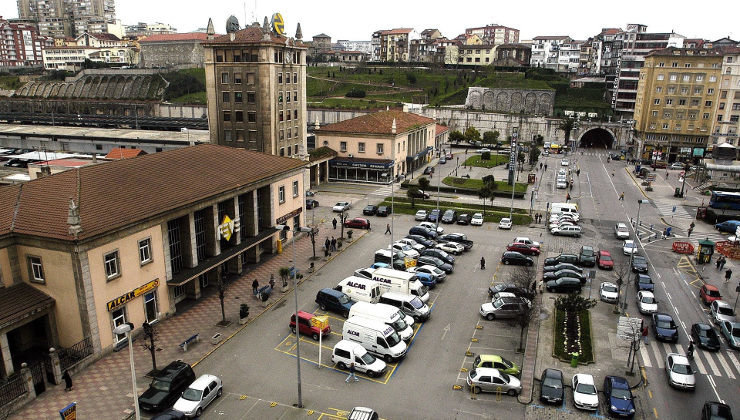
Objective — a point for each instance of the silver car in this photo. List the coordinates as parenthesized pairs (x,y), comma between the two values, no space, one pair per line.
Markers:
(198,395)
(505,307)
(679,371)
(722,311)
(492,380)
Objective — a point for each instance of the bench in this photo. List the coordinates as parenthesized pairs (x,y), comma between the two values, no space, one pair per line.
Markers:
(194,338)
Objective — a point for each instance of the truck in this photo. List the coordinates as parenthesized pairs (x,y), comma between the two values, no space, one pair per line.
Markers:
(396,281)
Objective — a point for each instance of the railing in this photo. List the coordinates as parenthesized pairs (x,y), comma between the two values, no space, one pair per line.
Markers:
(11,390)
(69,357)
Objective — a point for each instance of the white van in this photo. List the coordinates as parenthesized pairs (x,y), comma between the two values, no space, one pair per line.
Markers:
(345,352)
(396,281)
(375,337)
(387,314)
(359,289)
(565,208)
(408,304)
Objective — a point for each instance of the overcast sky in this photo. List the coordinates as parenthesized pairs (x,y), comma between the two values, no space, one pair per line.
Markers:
(356,20)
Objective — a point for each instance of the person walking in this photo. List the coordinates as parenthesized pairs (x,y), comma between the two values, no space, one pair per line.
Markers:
(351,373)
(67,381)
(482,263)
(728,274)
(387,229)
(545,166)
(719,263)
(578,172)
(333,243)
(272,281)
(255,286)
(334,223)
(327,244)
(567,197)
(690,352)
(722,264)
(689,232)
(621,196)
(645,334)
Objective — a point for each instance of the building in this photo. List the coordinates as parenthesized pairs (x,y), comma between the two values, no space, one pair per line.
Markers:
(513,55)
(369,147)
(441,136)
(677,102)
(726,126)
(352,57)
(173,50)
(569,56)
(81,262)
(495,34)
(146,29)
(59,18)
(395,44)
(476,55)
(425,49)
(256,85)
(545,50)
(21,45)
(71,58)
(361,46)
(375,41)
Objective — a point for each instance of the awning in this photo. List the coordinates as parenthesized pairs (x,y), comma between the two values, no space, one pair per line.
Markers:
(21,301)
(360,163)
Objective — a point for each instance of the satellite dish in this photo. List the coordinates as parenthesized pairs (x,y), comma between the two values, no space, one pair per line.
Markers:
(232,24)
(278,25)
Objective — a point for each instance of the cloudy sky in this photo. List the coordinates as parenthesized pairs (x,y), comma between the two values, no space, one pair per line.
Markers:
(356,20)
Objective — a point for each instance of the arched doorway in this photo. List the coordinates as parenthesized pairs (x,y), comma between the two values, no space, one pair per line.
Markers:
(597,138)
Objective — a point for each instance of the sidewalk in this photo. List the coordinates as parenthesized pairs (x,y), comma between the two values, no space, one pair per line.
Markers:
(103,390)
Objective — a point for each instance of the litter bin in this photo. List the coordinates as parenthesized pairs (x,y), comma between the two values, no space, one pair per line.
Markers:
(574,360)
(677,193)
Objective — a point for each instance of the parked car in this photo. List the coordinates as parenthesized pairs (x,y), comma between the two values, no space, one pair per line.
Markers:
(408,250)
(659,165)
(438,253)
(731,331)
(523,248)
(436,262)
(504,223)
(311,203)
(305,327)
(451,248)
(412,243)
(477,219)
(554,275)
(166,387)
(677,165)
(679,371)
(341,206)
(422,231)
(567,231)
(563,266)
(504,308)
(629,247)
(170,414)
(708,294)
(346,352)
(714,410)
(433,226)
(564,162)
(509,288)
(585,395)
(722,311)
(644,282)
(526,240)
(726,226)
(433,271)
(587,256)
(442,160)
(449,216)
(516,258)
(421,194)
(664,327)
(562,258)
(608,292)
(619,396)
(421,240)
(551,386)
(639,264)
(333,300)
(564,284)
(705,337)
(357,223)
(604,260)
(459,238)
(496,362)
(646,302)
(434,215)
(420,215)
(199,395)
(491,380)
(370,210)
(383,211)
(621,231)
(429,170)
(463,219)
(310,193)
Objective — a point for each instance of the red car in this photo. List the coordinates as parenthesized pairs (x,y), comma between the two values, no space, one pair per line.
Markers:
(523,248)
(604,260)
(305,326)
(357,223)
(709,294)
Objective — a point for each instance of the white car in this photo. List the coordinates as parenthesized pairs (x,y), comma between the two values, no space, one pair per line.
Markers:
(564,162)
(505,223)
(341,206)
(585,395)
(477,219)
(679,371)
(525,240)
(563,172)
(608,292)
(198,395)
(622,231)
(412,243)
(407,250)
(433,271)
(561,183)
(421,215)
(451,247)
(432,226)
(483,150)
(629,247)
(646,302)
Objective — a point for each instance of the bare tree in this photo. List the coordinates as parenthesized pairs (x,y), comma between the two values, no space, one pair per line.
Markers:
(524,277)
(152,335)
(621,272)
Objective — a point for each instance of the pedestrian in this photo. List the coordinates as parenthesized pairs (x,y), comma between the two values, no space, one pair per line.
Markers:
(540,165)
(67,381)
(368,225)
(387,229)
(578,172)
(334,223)
(545,166)
(645,334)
(351,373)
(255,286)
(567,197)
(621,196)
(690,352)
(719,263)
(722,264)
(272,281)
(728,274)
(689,231)
(333,243)
(482,263)
(327,244)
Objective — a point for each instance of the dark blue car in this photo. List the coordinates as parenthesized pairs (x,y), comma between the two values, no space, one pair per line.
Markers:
(644,282)
(664,327)
(335,301)
(426,279)
(619,396)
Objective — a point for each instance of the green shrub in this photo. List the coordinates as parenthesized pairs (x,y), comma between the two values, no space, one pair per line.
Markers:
(355,93)
(485,156)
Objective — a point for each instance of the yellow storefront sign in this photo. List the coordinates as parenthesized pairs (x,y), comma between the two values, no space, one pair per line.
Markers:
(121,300)
(226,228)
(320,322)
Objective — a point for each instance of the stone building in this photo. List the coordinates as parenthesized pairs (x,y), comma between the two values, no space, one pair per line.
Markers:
(513,55)
(531,101)
(173,50)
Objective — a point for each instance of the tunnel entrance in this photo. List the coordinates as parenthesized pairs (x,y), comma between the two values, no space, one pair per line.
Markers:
(597,138)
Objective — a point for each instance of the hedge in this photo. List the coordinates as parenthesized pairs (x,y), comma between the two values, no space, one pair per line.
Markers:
(457,204)
(495,160)
(467,191)
(491,216)
(476,184)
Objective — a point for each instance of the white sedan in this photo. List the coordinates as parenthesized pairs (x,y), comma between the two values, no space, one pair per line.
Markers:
(341,206)
(407,250)
(564,162)
(432,226)
(483,150)
(646,302)
(451,247)
(421,215)
(608,292)
(679,371)
(477,219)
(629,247)
(505,223)
(585,395)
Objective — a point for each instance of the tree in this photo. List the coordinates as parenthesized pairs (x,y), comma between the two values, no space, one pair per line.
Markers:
(567,124)
(411,77)
(487,190)
(485,155)
(152,335)
(412,193)
(471,134)
(490,137)
(456,136)
(574,303)
(424,184)
(534,154)
(525,277)
(539,140)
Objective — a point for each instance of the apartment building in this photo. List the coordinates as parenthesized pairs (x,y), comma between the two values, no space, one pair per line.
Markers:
(59,18)
(395,44)
(476,55)
(546,50)
(495,34)
(21,45)
(726,127)
(676,103)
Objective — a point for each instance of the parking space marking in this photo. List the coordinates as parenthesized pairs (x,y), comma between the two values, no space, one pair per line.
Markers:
(645,357)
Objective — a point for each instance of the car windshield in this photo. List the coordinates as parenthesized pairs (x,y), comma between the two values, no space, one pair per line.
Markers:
(629,245)
(725,310)
(367,359)
(622,394)
(552,383)
(399,325)
(161,385)
(344,299)
(609,288)
(498,303)
(683,369)
(587,252)
(417,303)
(436,271)
(645,279)
(666,324)
(191,394)
(647,299)
(638,261)
(393,339)
(605,258)
(586,389)
(713,293)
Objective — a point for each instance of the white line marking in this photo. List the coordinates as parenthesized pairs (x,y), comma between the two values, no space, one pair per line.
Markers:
(658,355)
(711,363)
(725,365)
(734,361)
(645,357)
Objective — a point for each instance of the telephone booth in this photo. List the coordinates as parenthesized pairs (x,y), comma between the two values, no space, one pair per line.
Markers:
(705,252)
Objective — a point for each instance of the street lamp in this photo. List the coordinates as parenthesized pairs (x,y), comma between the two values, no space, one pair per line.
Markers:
(125,329)
(286,228)
(458,165)
(637,233)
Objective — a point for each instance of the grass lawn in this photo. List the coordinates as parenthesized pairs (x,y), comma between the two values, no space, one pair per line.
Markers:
(468,206)
(476,184)
(494,161)
(519,217)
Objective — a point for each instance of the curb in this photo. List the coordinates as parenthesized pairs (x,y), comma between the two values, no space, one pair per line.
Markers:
(627,169)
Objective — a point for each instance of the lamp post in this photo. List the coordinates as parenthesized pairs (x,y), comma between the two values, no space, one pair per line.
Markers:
(457,166)
(637,234)
(126,329)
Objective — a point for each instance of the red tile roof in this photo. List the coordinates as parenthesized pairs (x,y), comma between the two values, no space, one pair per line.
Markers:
(546,37)
(441,129)
(378,123)
(122,193)
(398,31)
(20,301)
(191,36)
(70,163)
(119,153)
(249,35)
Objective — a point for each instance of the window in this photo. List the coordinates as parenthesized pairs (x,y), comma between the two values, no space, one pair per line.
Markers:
(674,64)
(712,78)
(661,64)
(288,115)
(295,114)
(699,77)
(227,135)
(150,307)
(723,94)
(736,106)
(287,96)
(252,117)
(673,77)
(295,77)
(282,151)
(687,65)
(659,89)
(280,78)
(361,147)
(710,91)
(734,118)
(112,267)
(655,113)
(665,126)
(697,91)
(669,101)
(238,97)
(708,103)
(687,78)
(250,78)
(295,149)
(694,102)
(224,78)
(342,146)
(295,188)
(281,116)
(145,251)
(684,90)
(281,194)
(250,97)
(280,97)
(721,105)
(671,89)
(667,115)
(705,116)
(379,148)
(729,59)
(238,78)
(36,270)
(682,102)
(227,115)
(180,290)
(226,97)
(661,77)
(282,135)
(295,96)
(656,101)
(290,132)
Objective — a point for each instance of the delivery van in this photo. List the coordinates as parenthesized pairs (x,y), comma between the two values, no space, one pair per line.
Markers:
(359,289)
(408,304)
(387,314)
(347,352)
(396,281)
(565,208)
(376,337)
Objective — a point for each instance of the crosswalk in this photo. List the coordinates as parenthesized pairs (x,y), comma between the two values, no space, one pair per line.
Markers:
(384,191)
(723,363)
(669,209)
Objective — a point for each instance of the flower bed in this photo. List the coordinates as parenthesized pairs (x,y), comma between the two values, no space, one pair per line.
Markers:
(572,334)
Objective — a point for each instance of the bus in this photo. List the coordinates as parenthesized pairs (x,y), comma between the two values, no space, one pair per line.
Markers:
(725,200)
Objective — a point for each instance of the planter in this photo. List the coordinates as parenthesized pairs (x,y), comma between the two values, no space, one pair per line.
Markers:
(217,338)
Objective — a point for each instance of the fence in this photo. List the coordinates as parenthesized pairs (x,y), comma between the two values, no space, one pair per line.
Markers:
(11,390)
(70,356)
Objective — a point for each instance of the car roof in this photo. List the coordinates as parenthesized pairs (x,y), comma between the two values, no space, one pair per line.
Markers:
(608,283)
(490,357)
(678,358)
(710,287)
(702,326)
(330,291)
(553,373)
(202,382)
(618,382)
(169,372)
(584,378)
(304,314)
(646,293)
(621,225)
(604,252)
(721,303)
(488,371)
(662,316)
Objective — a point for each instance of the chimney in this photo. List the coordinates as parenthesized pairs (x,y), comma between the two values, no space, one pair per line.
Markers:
(231,36)
(393,127)
(73,219)
(316,125)
(405,108)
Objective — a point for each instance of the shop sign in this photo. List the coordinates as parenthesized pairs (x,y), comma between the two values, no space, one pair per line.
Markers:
(360,165)
(685,150)
(69,412)
(698,151)
(282,219)
(121,300)
(226,228)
